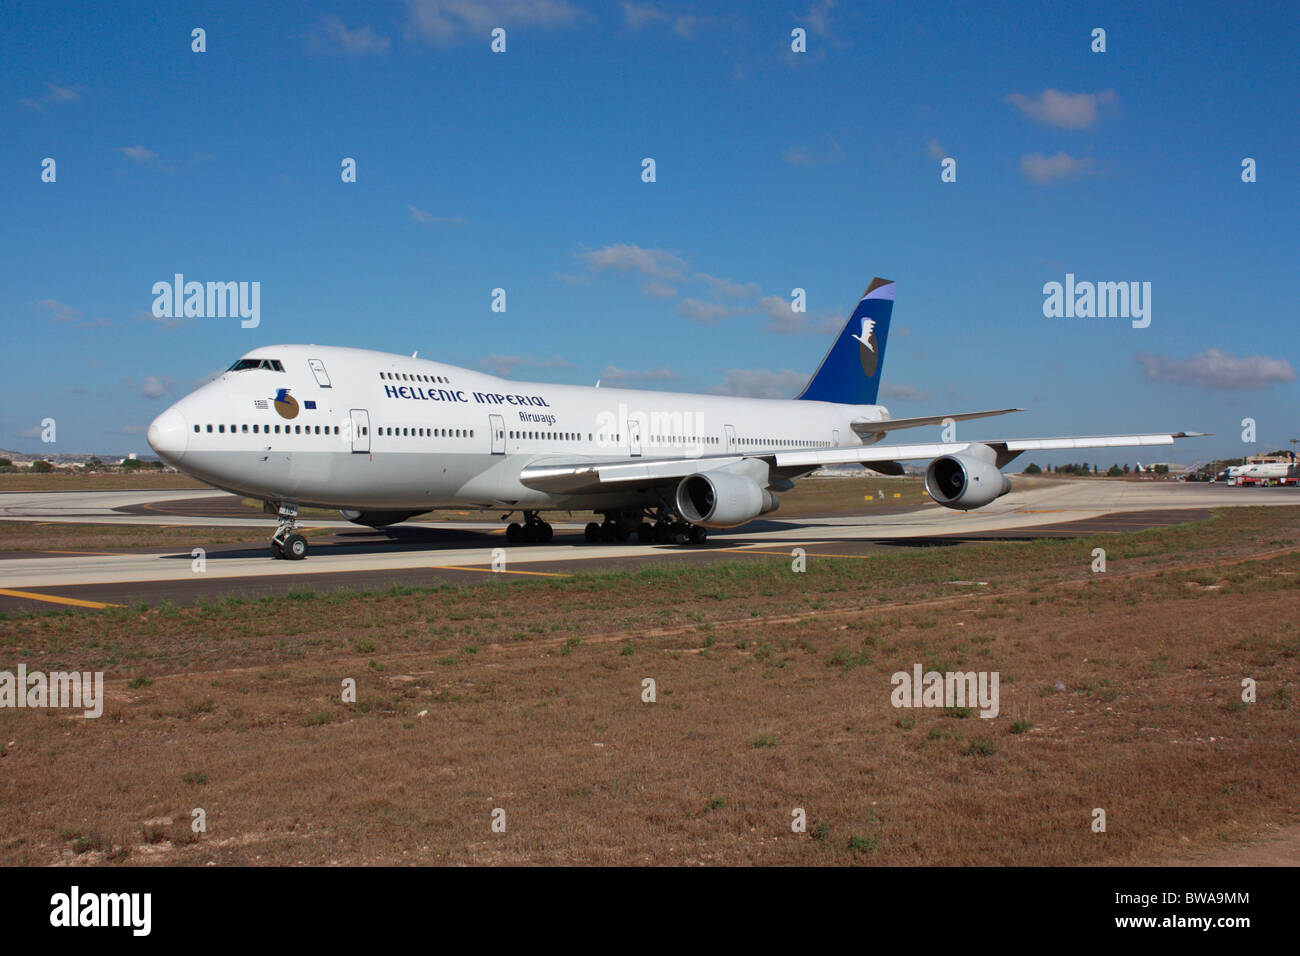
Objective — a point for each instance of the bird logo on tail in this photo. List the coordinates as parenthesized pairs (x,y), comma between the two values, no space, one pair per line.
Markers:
(867,347)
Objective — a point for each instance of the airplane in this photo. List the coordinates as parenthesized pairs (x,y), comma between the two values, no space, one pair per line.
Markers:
(384,438)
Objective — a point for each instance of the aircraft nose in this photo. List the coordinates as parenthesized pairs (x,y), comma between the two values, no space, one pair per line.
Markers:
(169,435)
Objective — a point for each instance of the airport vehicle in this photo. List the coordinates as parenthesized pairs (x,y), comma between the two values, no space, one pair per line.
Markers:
(384,438)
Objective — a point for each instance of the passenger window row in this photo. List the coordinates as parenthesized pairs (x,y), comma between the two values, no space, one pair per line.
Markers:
(393,431)
(782,443)
(550,436)
(271,429)
(415,377)
(684,439)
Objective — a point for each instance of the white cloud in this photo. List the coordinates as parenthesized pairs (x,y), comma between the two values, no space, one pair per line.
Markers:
(139,153)
(760,383)
(613,373)
(1067,110)
(903,393)
(1046,169)
(818,18)
(736,290)
(935,150)
(420,215)
(61,311)
(623,257)
(638,15)
(804,156)
(786,321)
(1215,368)
(685,25)
(706,312)
(658,290)
(445,21)
(53,94)
(167,321)
(151,386)
(332,37)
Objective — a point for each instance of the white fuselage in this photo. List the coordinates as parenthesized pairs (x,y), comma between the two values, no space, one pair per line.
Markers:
(372,430)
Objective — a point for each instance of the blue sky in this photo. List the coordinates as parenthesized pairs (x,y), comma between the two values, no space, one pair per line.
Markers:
(774,170)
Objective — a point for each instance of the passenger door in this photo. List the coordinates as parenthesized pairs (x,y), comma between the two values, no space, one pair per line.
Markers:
(498,428)
(731,437)
(360,430)
(634,438)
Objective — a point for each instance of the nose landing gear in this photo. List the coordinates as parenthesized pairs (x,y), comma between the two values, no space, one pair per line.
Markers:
(286,542)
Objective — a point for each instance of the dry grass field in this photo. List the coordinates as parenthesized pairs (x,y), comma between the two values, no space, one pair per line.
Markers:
(773,692)
(100,481)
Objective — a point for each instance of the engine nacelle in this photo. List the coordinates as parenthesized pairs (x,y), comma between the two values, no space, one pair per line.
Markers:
(964,482)
(719,499)
(377,519)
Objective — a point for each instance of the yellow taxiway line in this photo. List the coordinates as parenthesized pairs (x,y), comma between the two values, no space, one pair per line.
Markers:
(55,599)
(466,567)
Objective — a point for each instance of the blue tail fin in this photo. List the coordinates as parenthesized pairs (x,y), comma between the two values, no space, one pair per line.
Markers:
(850,372)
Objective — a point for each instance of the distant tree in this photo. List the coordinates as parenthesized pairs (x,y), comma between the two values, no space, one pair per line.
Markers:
(1126,468)
(155,465)
(131,464)
(41,466)
(93,465)
(1162,469)
(1115,471)
(6,463)
(1032,469)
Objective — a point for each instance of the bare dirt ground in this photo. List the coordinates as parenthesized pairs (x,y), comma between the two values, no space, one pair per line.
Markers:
(1119,691)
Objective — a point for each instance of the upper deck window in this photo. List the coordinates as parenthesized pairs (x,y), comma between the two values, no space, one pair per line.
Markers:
(267,365)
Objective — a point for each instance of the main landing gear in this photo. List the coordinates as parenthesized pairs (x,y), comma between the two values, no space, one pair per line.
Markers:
(286,542)
(534,529)
(668,529)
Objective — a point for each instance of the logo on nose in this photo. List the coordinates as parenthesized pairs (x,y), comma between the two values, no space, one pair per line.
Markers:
(286,404)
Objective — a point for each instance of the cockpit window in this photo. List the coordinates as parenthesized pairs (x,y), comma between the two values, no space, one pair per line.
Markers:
(268,365)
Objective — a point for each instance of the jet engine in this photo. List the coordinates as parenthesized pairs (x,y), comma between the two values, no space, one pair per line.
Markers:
(964,482)
(377,519)
(718,499)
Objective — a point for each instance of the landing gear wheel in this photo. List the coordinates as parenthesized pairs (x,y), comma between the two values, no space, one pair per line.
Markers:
(679,535)
(295,547)
(621,533)
(661,532)
(592,532)
(607,531)
(514,532)
(544,532)
(285,543)
(645,533)
(699,535)
(529,533)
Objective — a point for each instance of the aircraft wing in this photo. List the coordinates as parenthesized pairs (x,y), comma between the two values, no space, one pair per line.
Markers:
(1006,450)
(562,476)
(867,429)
